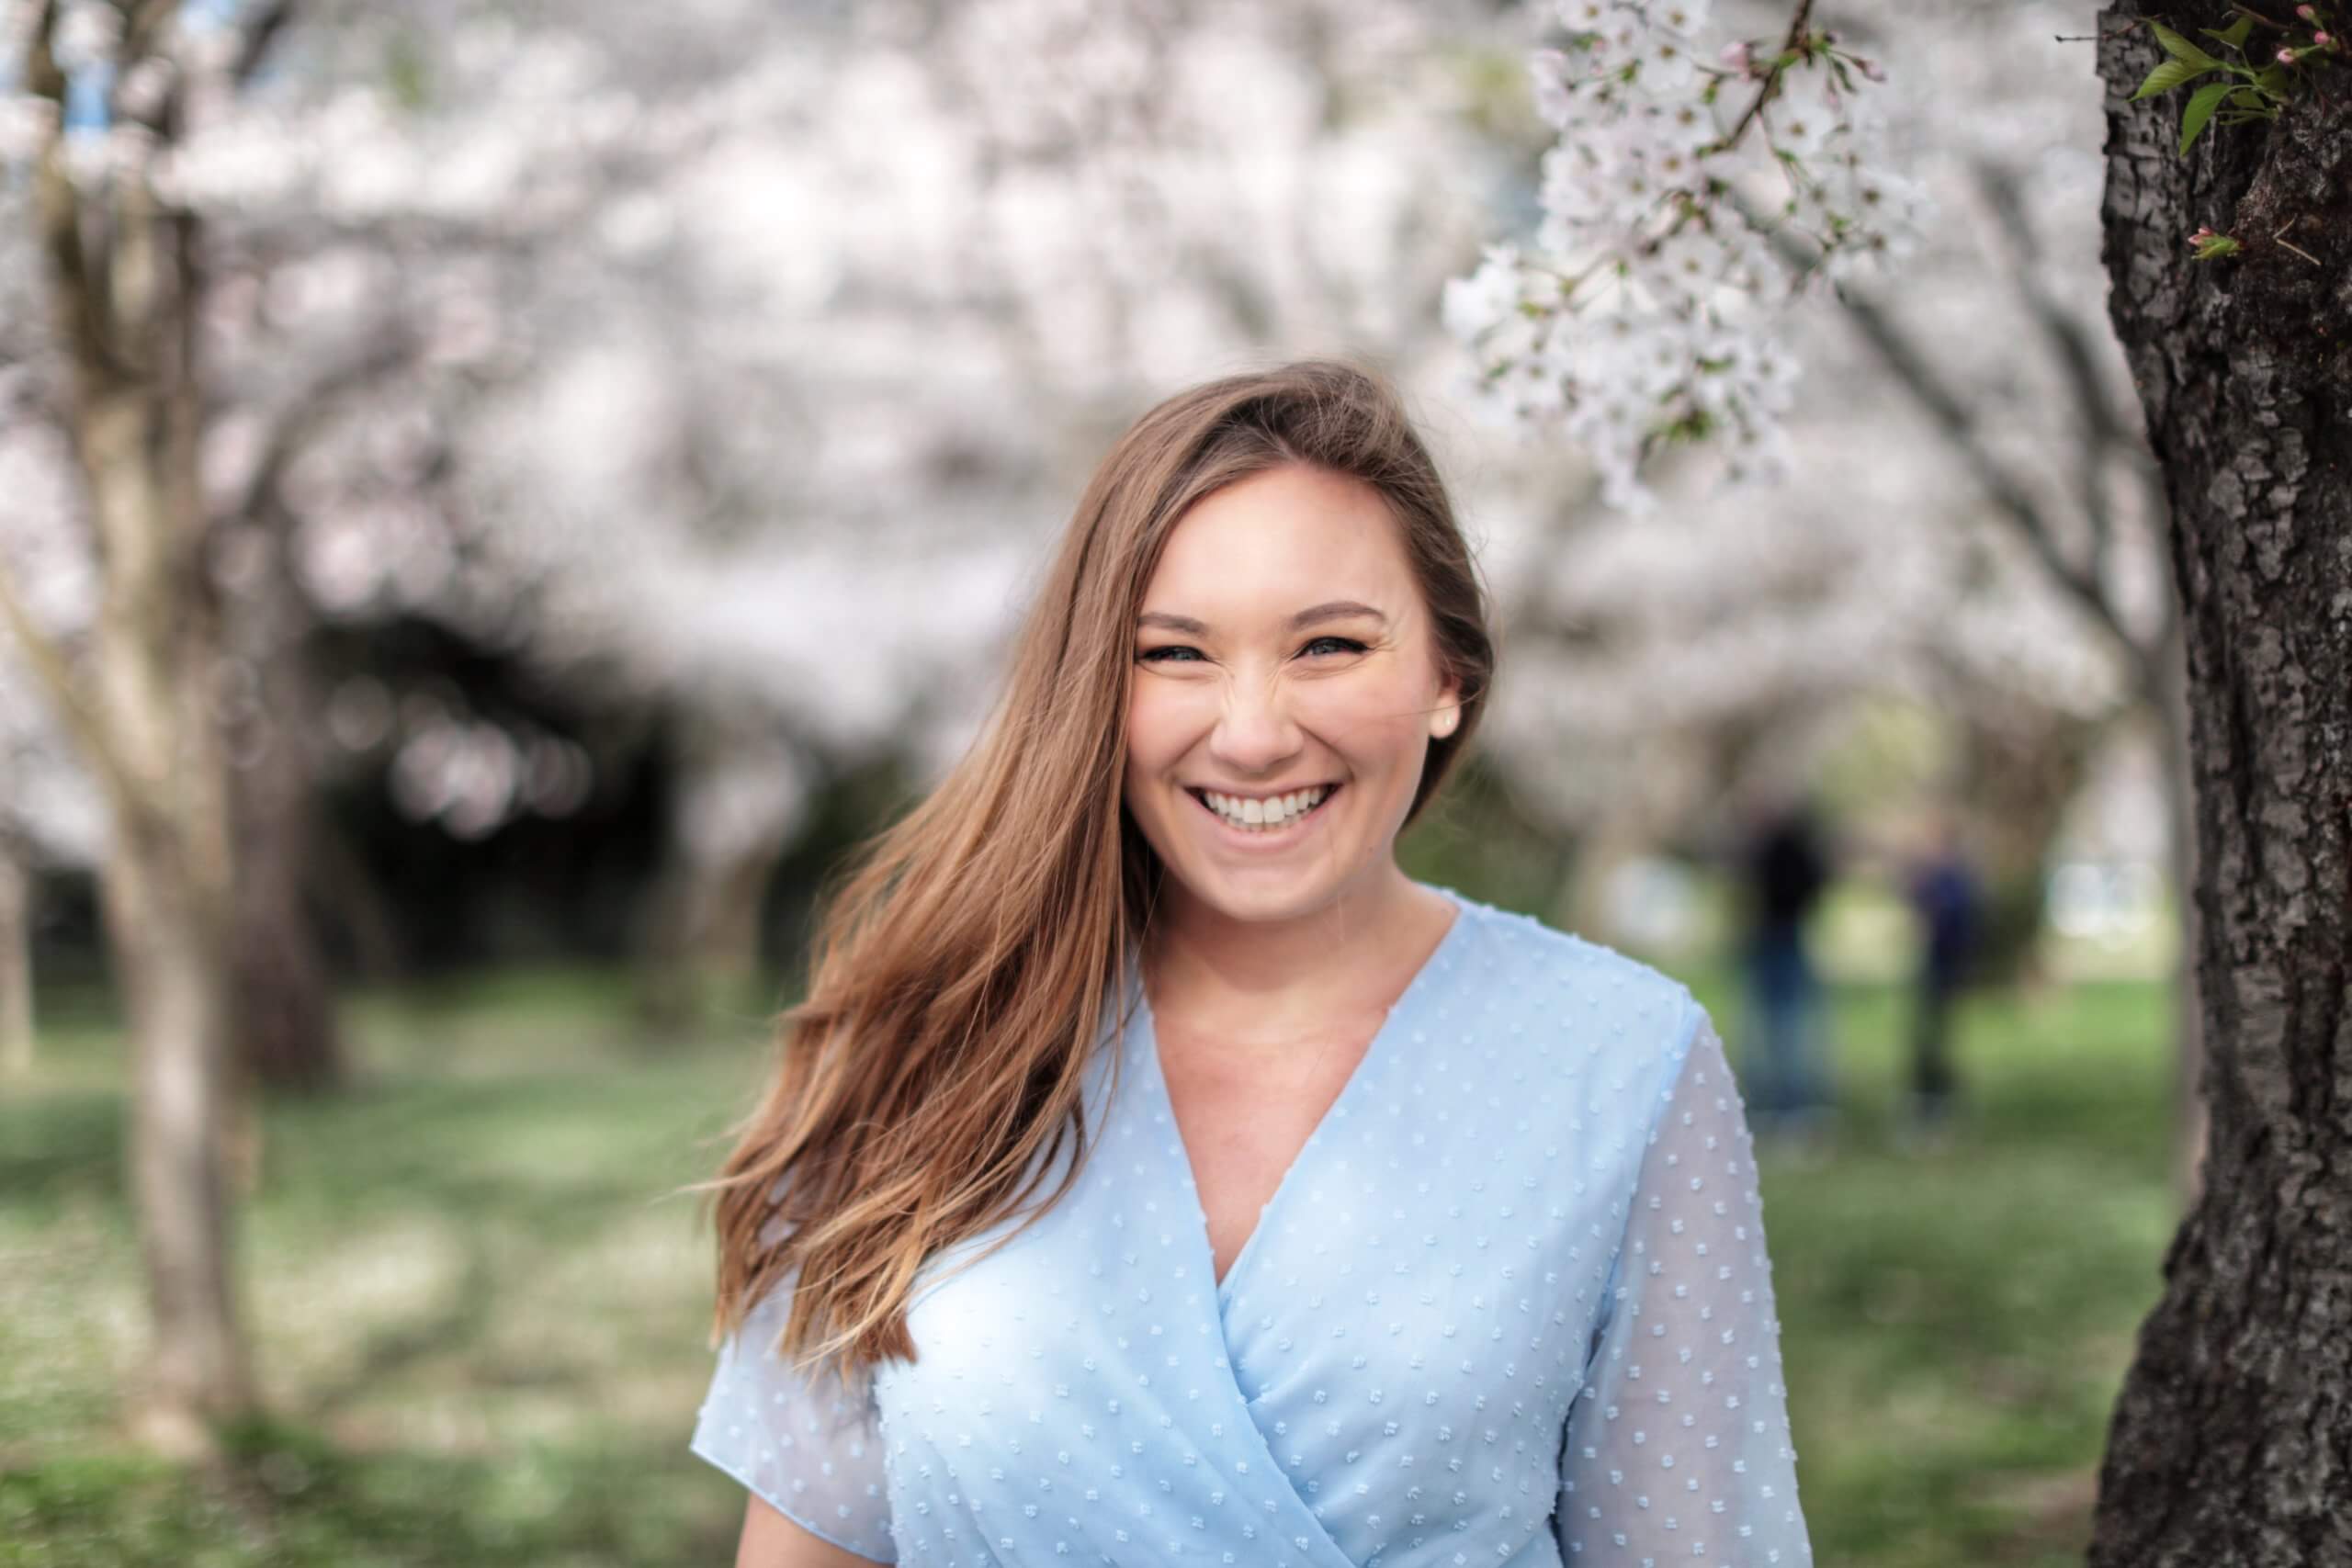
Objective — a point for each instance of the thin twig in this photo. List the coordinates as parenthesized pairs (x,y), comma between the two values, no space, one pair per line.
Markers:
(2287,228)
(2105,426)
(1771,78)
(1918,374)
(71,701)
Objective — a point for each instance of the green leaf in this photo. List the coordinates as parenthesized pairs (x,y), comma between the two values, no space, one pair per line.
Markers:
(2168,76)
(2200,108)
(2180,49)
(2234,34)
(2273,82)
(2247,98)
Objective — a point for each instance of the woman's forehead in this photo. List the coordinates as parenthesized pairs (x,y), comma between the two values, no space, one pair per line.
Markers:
(1278,543)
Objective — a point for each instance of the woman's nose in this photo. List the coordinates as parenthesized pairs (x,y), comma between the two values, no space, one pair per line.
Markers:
(1256,730)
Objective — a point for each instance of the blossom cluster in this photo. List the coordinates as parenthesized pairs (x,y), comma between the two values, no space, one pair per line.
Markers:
(2321,38)
(1649,306)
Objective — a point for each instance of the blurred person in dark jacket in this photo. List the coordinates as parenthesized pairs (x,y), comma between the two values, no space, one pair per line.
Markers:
(1786,868)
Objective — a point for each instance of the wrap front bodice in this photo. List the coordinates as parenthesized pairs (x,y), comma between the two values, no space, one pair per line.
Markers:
(1511,1301)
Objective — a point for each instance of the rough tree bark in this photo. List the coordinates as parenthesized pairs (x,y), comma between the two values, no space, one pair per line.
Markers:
(2232,1442)
(2168,701)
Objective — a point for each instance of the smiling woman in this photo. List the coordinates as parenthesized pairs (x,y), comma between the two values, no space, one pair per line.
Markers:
(1156,1173)
(1264,702)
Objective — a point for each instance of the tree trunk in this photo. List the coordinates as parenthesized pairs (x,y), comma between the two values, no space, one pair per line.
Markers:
(2191,1124)
(170,940)
(738,793)
(15,965)
(286,1030)
(2017,775)
(123,277)
(2232,1441)
(700,952)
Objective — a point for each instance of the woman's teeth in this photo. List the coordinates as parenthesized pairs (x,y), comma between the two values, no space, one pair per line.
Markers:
(1278,812)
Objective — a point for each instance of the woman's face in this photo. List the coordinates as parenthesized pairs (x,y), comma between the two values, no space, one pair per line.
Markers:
(1282,647)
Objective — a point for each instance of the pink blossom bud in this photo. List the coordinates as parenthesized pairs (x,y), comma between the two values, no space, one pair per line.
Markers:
(2321,41)
(1871,70)
(1736,56)
(2286,57)
(2307,14)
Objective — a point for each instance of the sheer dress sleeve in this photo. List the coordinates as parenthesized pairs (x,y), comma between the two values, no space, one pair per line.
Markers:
(1678,1449)
(810,1453)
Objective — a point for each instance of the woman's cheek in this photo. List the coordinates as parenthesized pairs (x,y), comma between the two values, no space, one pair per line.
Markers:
(1147,724)
(1357,714)
(1161,728)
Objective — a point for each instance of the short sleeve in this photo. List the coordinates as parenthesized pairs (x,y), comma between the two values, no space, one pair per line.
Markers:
(812,1454)
(1678,1448)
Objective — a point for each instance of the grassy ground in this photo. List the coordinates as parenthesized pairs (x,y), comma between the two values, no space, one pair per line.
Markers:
(479,1312)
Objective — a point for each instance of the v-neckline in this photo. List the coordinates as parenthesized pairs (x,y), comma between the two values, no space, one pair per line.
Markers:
(1148,1031)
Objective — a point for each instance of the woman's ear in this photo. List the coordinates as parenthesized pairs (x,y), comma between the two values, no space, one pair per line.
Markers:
(1446,716)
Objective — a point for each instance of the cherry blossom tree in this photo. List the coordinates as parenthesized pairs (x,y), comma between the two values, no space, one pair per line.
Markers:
(122,282)
(881,362)
(2216,1453)
(144,133)
(1984,198)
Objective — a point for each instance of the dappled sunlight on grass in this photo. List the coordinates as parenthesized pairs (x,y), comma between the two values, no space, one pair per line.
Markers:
(482,1303)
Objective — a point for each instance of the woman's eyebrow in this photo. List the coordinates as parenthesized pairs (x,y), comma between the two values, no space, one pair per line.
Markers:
(1335,610)
(1338,609)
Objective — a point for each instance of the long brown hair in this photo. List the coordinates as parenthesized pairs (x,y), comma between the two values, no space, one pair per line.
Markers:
(927,1081)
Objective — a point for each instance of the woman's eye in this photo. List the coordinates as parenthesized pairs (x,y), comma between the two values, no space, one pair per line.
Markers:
(1181,653)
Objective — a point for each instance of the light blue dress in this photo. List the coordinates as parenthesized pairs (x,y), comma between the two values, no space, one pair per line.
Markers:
(1510,1303)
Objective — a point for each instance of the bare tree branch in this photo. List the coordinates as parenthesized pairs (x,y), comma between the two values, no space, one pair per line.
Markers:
(260,32)
(386,353)
(82,717)
(2104,428)
(1919,376)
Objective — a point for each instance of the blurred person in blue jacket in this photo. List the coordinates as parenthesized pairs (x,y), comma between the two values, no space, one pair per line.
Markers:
(1948,902)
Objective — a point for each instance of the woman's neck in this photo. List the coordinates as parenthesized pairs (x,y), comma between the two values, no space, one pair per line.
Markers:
(1273,980)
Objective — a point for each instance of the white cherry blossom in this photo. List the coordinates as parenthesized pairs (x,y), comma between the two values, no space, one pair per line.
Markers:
(1650,202)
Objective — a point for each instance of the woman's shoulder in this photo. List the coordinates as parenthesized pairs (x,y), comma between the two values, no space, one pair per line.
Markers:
(1547,979)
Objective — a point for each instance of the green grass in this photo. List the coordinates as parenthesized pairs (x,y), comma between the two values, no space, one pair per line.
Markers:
(1955,1324)
(480,1313)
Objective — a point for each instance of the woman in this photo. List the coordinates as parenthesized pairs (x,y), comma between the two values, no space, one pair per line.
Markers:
(1156,1173)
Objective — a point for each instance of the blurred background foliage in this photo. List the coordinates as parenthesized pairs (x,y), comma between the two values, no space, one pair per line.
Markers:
(628,437)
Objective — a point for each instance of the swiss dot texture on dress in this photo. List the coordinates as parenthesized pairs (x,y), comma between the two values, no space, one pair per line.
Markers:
(1511,1302)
